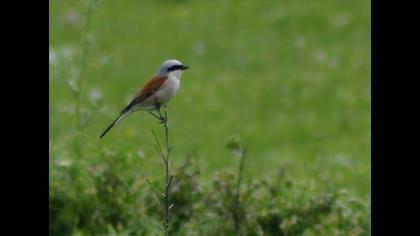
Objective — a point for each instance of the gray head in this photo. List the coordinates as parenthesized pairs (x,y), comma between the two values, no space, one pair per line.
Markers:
(170,66)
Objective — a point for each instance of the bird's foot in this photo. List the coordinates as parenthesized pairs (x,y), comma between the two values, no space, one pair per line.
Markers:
(163,120)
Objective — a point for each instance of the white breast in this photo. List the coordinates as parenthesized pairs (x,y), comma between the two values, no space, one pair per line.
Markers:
(169,88)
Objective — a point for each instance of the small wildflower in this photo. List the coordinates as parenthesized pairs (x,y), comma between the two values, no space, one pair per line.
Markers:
(333,63)
(95,94)
(72,17)
(67,52)
(300,42)
(64,163)
(341,20)
(52,56)
(140,154)
(320,56)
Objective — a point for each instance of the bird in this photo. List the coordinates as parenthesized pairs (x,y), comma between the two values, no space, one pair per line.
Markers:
(156,92)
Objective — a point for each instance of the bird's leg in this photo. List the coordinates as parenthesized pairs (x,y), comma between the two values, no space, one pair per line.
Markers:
(165,118)
(154,115)
(161,118)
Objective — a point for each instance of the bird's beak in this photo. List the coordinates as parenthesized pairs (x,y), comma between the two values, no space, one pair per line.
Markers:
(184,67)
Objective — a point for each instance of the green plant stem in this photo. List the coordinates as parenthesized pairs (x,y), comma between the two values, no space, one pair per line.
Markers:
(236,203)
(165,158)
(85,53)
(168,177)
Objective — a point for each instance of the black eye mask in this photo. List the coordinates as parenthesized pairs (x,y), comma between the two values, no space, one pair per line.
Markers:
(177,67)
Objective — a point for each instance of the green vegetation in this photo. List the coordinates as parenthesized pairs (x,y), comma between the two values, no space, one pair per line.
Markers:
(290,78)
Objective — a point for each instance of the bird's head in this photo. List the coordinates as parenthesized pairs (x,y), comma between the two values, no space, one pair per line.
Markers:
(172,66)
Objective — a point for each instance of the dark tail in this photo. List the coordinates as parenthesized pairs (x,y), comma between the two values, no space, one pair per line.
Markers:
(121,116)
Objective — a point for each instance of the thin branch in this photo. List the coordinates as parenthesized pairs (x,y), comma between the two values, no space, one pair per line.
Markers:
(165,159)
(85,53)
(158,194)
(158,146)
(170,181)
(165,124)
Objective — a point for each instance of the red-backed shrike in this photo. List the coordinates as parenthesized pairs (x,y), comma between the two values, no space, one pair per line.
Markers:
(157,92)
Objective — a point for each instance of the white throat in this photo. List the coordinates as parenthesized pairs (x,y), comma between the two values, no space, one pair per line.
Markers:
(175,74)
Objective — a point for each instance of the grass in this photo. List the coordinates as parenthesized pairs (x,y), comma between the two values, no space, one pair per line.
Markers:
(290,78)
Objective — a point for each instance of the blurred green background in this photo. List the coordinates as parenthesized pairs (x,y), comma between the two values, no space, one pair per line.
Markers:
(290,78)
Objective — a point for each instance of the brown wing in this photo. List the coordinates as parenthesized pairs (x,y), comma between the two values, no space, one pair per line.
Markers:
(148,90)
(152,86)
